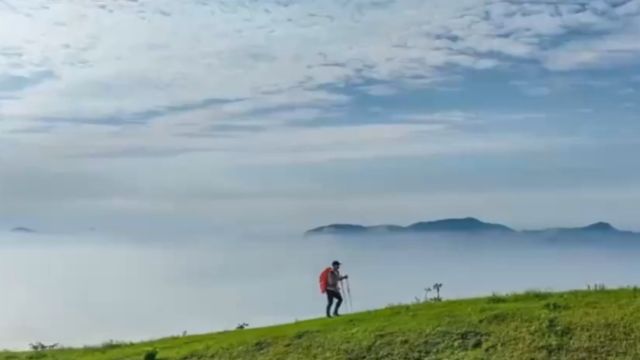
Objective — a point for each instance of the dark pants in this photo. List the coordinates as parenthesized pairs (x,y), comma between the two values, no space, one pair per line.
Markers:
(330,296)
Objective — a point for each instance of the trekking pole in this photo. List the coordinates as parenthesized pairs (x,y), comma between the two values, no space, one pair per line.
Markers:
(345,294)
(349,295)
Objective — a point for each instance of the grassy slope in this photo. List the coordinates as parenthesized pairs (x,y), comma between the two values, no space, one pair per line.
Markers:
(573,325)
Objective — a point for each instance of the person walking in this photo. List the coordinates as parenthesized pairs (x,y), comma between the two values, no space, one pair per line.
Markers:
(330,284)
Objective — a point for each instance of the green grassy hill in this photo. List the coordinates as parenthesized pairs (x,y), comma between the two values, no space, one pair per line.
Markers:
(571,325)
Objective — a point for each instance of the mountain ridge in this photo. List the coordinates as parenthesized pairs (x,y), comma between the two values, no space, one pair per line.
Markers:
(467,225)
(22,229)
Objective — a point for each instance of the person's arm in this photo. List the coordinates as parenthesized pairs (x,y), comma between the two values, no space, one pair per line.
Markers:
(344,277)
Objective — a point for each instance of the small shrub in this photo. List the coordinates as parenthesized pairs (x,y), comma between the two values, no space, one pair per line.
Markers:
(534,294)
(596,287)
(37,355)
(426,293)
(495,317)
(496,299)
(151,354)
(39,346)
(302,334)
(393,306)
(110,344)
(554,306)
(261,345)
(437,287)
(553,327)
(470,339)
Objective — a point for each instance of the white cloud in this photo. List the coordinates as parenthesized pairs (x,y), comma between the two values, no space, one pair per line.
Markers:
(606,51)
(532,89)
(115,66)
(124,57)
(86,85)
(547,84)
(379,90)
(276,137)
(445,118)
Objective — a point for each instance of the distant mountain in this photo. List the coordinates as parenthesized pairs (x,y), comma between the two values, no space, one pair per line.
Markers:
(599,226)
(467,225)
(349,229)
(457,225)
(339,229)
(595,229)
(385,228)
(21,229)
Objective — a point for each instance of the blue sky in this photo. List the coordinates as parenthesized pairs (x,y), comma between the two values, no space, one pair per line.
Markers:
(114,114)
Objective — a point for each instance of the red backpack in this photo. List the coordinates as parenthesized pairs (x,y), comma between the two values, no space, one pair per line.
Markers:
(324,278)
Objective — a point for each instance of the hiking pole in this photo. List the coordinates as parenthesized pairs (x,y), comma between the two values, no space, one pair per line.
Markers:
(345,294)
(349,295)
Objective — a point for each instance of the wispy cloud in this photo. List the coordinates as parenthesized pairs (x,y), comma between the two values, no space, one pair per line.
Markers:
(139,57)
(379,89)
(606,51)
(14,83)
(627,91)
(532,89)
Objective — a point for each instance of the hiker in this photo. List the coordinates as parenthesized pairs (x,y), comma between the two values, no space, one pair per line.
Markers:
(330,284)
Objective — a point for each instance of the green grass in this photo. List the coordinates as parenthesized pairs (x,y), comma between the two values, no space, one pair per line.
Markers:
(533,325)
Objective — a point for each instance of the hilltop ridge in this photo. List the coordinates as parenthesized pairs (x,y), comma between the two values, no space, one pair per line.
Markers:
(468,225)
(535,325)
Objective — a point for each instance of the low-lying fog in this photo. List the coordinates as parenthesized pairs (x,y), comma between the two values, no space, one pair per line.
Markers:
(87,290)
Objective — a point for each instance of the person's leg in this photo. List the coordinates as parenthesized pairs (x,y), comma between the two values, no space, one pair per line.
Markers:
(329,302)
(338,303)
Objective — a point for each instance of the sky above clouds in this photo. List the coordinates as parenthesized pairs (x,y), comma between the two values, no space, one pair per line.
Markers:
(136,114)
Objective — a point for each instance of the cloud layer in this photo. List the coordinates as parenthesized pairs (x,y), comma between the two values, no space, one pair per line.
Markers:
(101,92)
